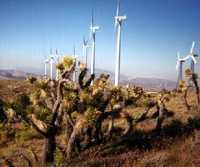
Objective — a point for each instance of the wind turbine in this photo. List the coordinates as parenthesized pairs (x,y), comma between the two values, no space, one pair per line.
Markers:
(57,61)
(179,67)
(192,55)
(45,67)
(93,30)
(75,61)
(118,25)
(51,61)
(85,50)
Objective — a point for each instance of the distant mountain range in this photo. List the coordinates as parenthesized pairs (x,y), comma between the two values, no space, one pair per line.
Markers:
(147,83)
(14,75)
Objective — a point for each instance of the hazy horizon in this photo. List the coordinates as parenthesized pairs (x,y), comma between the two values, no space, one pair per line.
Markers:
(153,33)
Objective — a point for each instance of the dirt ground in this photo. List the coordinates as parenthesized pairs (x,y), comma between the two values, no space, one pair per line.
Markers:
(177,144)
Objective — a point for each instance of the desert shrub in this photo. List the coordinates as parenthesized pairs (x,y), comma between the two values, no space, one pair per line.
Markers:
(59,158)
(3,116)
(6,134)
(31,79)
(27,134)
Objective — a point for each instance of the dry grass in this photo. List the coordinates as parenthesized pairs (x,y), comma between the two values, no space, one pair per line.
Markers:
(10,89)
(177,145)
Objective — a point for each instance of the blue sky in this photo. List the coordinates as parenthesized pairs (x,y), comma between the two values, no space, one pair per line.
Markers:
(154,31)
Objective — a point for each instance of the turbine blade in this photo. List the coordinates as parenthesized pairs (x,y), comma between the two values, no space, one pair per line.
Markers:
(83,41)
(193,59)
(192,48)
(74,50)
(118,8)
(117,12)
(178,55)
(186,58)
(92,19)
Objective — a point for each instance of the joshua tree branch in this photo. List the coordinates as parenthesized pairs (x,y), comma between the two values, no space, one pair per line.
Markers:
(66,73)
(185,98)
(30,121)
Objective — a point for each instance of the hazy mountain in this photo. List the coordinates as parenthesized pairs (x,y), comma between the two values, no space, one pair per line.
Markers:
(14,74)
(147,83)
(153,83)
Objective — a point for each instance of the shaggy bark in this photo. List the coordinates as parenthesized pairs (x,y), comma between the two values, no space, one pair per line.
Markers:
(86,84)
(110,127)
(72,143)
(49,148)
(159,119)
(194,79)
(3,117)
(185,98)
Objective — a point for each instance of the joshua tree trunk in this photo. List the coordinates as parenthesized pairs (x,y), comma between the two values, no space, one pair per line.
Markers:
(72,142)
(194,79)
(129,124)
(68,129)
(160,117)
(110,127)
(49,148)
(185,98)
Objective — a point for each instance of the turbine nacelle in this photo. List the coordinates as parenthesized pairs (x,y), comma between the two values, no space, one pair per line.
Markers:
(180,60)
(46,61)
(94,29)
(85,42)
(120,18)
(52,60)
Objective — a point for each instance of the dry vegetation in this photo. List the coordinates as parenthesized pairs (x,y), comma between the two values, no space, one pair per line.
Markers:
(125,128)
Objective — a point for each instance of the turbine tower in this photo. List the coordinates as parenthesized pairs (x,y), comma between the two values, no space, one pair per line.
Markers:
(118,24)
(192,55)
(93,30)
(51,61)
(179,67)
(45,68)
(85,50)
(57,61)
(75,60)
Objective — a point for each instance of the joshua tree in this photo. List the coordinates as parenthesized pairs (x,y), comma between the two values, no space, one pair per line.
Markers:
(79,108)
(193,79)
(183,88)
(3,117)
(43,109)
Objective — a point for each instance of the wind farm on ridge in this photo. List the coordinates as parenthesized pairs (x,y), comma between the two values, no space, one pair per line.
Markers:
(73,116)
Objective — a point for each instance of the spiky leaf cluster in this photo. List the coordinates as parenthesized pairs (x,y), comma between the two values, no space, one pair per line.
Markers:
(65,63)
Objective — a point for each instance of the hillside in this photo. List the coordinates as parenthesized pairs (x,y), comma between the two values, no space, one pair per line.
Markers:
(176,145)
(14,75)
(147,83)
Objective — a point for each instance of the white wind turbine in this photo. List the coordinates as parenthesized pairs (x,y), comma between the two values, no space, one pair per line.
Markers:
(46,62)
(179,67)
(192,55)
(51,62)
(93,30)
(118,24)
(57,61)
(85,50)
(75,61)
